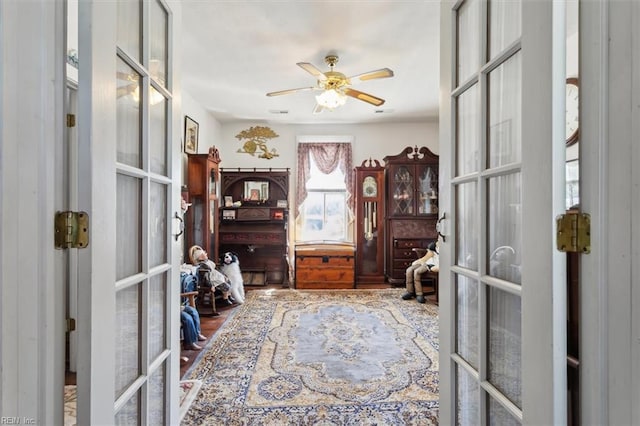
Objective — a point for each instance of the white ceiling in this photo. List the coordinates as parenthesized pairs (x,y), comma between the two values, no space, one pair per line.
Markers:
(237,51)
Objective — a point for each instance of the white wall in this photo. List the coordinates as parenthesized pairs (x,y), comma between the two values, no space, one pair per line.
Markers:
(208,129)
(373,141)
(370,141)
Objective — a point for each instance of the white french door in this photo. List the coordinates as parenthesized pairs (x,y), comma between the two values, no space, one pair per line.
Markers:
(502,302)
(129,179)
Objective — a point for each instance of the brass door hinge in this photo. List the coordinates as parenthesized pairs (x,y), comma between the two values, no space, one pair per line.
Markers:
(573,233)
(71,120)
(71,230)
(71,324)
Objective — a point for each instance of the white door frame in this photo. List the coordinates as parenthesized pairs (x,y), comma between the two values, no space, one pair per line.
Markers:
(609,182)
(32,83)
(96,291)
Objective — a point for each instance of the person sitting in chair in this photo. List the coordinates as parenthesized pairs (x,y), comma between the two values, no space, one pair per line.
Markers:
(428,263)
(218,281)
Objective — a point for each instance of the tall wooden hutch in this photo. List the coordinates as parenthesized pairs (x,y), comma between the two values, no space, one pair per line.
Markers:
(201,220)
(369,196)
(254,221)
(411,207)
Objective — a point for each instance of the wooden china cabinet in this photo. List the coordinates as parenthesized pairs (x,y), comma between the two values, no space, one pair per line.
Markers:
(254,222)
(369,184)
(411,207)
(201,221)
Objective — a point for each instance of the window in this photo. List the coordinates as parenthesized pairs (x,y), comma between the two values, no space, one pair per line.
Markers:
(324,211)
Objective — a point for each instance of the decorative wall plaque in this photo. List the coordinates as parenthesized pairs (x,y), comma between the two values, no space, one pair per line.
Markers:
(256,142)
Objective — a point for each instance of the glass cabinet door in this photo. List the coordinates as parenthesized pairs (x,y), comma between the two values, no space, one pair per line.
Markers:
(199,219)
(402,191)
(427,190)
(212,182)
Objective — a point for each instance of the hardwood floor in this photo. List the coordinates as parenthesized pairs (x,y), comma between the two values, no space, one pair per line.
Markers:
(208,327)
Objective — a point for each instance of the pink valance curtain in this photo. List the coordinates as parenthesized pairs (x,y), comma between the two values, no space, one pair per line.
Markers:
(328,157)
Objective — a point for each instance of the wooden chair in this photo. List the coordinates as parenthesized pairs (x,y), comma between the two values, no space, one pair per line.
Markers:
(191,297)
(428,279)
(207,296)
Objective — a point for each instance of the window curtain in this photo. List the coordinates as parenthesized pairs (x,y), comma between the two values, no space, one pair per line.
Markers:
(328,157)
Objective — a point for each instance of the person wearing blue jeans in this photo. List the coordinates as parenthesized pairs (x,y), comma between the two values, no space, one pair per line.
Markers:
(190,320)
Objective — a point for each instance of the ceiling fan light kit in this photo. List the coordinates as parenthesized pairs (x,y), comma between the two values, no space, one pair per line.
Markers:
(331,99)
(336,86)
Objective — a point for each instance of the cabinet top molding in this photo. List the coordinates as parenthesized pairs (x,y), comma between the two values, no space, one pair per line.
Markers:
(412,154)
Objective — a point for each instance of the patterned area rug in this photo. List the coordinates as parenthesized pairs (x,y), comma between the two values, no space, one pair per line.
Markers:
(70,398)
(290,357)
(188,392)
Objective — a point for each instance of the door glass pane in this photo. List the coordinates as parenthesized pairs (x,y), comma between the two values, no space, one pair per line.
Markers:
(505,344)
(158,42)
(498,416)
(128,226)
(158,132)
(157,406)
(467,412)
(467,154)
(157,315)
(129,414)
(468,39)
(129,34)
(504,233)
(158,224)
(127,337)
(467,319)
(466,225)
(128,115)
(504,24)
(505,100)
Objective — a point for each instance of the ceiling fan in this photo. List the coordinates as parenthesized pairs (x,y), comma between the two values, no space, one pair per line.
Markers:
(336,86)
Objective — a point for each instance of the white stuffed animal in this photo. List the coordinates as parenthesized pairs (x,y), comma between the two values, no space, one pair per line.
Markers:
(231,268)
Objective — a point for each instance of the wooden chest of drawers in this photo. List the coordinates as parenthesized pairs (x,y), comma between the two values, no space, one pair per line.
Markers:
(404,255)
(325,266)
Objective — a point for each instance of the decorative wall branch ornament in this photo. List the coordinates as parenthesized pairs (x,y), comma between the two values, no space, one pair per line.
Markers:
(256,142)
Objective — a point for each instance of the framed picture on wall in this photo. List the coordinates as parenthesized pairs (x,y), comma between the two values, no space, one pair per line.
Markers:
(190,135)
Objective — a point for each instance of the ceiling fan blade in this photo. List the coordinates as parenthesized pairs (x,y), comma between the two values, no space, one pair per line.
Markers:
(373,100)
(381,73)
(288,91)
(311,69)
